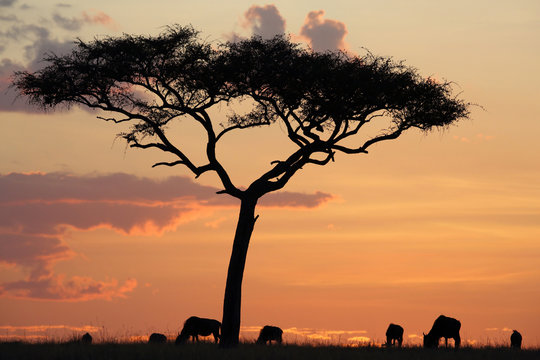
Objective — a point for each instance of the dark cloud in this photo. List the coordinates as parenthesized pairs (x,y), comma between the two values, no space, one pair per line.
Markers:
(37,209)
(38,42)
(323,34)
(4,3)
(265,21)
(71,24)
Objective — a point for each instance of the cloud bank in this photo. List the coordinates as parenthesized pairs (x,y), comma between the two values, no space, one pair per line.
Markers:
(37,210)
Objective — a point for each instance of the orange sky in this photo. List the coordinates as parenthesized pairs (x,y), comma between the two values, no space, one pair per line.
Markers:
(93,239)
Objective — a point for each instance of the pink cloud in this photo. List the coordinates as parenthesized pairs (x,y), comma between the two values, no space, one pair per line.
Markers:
(323,34)
(265,21)
(87,17)
(99,17)
(37,209)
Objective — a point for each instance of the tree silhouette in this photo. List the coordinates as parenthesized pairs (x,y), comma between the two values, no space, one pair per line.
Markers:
(323,100)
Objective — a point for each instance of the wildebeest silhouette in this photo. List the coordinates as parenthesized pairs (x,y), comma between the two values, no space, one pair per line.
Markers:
(195,326)
(157,338)
(515,340)
(445,327)
(269,333)
(86,338)
(394,333)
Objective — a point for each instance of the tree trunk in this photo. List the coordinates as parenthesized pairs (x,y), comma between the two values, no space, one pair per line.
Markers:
(230,327)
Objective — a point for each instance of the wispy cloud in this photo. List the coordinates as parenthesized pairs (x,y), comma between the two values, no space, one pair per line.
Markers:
(75,23)
(37,210)
(323,34)
(478,138)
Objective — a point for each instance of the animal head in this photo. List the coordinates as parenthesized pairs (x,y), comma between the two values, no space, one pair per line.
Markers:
(181,338)
(430,341)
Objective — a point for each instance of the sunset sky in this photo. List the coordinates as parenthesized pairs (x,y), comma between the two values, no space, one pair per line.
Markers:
(92,238)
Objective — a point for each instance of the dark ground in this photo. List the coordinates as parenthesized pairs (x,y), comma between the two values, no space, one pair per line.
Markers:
(204,351)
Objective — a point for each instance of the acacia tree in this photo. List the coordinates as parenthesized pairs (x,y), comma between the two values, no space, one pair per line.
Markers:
(323,100)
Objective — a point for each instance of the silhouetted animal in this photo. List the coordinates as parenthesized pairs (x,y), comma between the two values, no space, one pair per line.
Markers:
(157,338)
(515,340)
(195,326)
(394,333)
(269,333)
(445,327)
(86,339)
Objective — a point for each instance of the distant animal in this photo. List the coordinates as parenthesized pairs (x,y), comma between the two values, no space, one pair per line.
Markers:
(157,338)
(515,340)
(445,327)
(269,333)
(86,338)
(195,326)
(394,334)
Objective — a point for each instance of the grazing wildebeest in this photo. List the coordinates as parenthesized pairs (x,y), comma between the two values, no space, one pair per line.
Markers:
(394,333)
(86,339)
(157,338)
(445,327)
(269,333)
(515,340)
(195,326)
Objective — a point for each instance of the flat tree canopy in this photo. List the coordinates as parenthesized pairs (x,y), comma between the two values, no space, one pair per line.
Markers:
(323,100)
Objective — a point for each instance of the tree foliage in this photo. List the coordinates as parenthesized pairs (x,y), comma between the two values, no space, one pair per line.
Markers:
(321,98)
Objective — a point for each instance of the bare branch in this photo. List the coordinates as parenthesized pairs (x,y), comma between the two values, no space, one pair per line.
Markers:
(147,146)
(116,121)
(347,150)
(393,135)
(164,163)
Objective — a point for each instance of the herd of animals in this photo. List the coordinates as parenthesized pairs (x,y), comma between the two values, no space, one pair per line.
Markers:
(443,327)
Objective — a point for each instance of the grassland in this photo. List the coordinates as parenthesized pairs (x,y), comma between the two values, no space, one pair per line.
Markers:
(207,351)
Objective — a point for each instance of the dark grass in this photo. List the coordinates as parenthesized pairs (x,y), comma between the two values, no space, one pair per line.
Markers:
(207,351)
